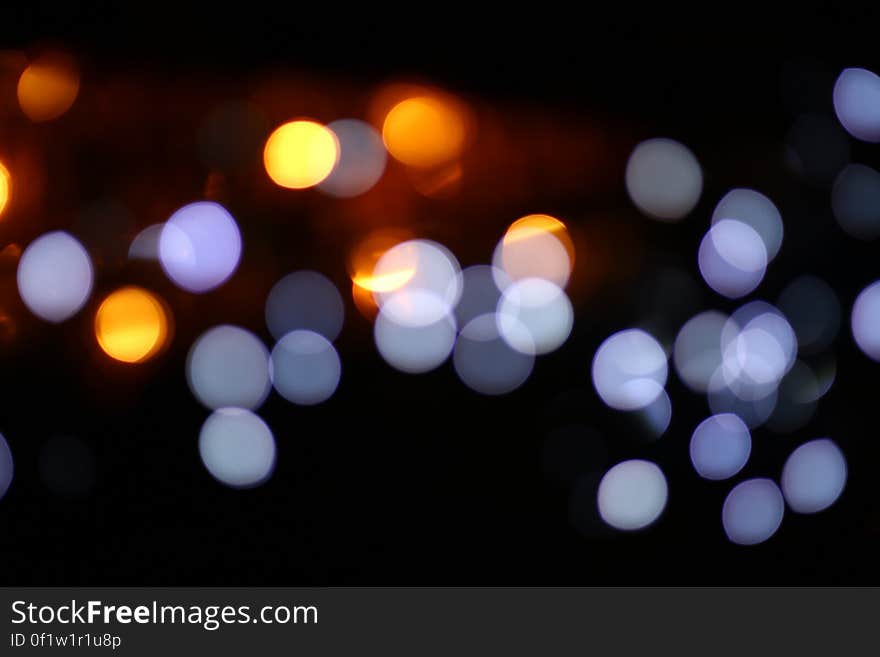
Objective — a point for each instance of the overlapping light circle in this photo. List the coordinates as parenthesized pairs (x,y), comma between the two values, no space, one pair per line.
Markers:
(200,246)
(228,366)
(535,316)
(485,362)
(304,300)
(362,159)
(732,258)
(629,370)
(305,368)
(756,211)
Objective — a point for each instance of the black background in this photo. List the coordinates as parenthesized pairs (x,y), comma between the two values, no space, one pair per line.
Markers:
(417,480)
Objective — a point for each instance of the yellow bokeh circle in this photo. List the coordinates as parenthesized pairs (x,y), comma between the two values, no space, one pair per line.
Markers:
(131,325)
(300,154)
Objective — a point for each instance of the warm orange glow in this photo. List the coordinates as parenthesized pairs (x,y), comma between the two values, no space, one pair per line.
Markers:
(424,131)
(363,259)
(440,183)
(538,246)
(48,87)
(300,154)
(131,325)
(5,187)
(364,301)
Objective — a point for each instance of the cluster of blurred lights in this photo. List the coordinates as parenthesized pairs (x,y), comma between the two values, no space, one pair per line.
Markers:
(492,319)
(746,363)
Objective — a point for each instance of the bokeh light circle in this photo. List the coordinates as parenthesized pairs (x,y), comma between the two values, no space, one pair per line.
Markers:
(305,300)
(414,349)
(480,293)
(305,368)
(5,187)
(228,366)
(814,476)
(720,446)
(131,325)
(865,321)
(664,179)
(534,246)
(632,495)
(300,154)
(419,280)
(424,131)
(629,370)
(362,159)
(813,309)
(732,258)
(752,511)
(696,353)
(55,276)
(200,246)
(855,200)
(535,316)
(485,362)
(857,103)
(48,87)
(755,210)
(237,448)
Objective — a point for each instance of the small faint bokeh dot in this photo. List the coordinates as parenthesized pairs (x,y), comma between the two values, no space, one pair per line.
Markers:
(67,466)
(632,495)
(237,448)
(55,276)
(48,87)
(664,179)
(855,199)
(304,300)
(228,366)
(813,309)
(131,325)
(300,154)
